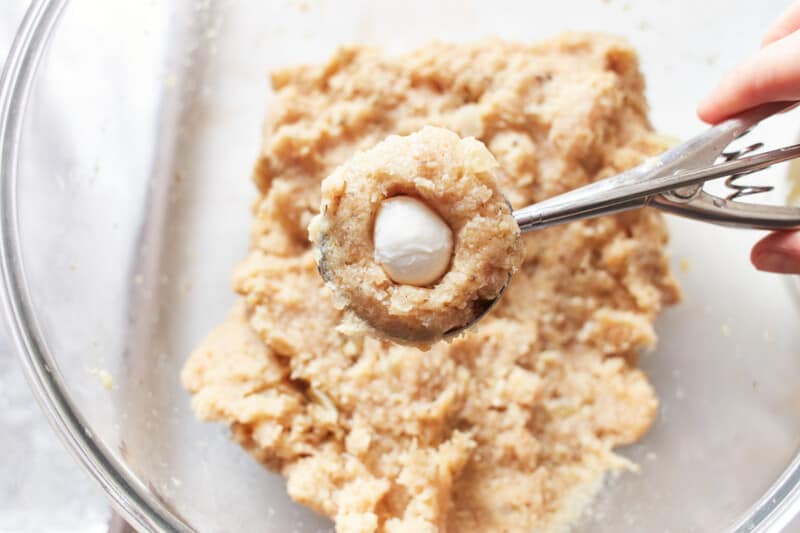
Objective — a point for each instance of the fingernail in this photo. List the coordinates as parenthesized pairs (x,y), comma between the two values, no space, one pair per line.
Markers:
(778,262)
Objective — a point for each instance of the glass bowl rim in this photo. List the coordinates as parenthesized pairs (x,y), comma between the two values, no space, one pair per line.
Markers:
(127,494)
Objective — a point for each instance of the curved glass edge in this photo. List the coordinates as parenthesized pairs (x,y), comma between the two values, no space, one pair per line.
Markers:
(125,492)
(778,506)
(781,502)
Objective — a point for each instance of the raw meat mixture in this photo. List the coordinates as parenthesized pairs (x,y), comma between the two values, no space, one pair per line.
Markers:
(505,429)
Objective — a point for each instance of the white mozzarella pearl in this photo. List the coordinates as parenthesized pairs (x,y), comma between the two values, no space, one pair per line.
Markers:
(412,243)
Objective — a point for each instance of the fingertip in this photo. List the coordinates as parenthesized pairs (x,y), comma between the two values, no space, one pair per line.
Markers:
(707,110)
(714,107)
(757,251)
(769,38)
(731,95)
(722,102)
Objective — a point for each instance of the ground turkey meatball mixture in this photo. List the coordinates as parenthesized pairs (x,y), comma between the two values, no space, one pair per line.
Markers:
(507,428)
(455,178)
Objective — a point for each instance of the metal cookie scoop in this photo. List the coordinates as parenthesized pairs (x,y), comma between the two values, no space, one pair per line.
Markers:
(673,182)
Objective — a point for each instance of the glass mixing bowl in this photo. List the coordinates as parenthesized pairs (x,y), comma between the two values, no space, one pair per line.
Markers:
(128,130)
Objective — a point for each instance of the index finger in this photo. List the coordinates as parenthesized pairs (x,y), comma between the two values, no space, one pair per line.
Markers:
(772,75)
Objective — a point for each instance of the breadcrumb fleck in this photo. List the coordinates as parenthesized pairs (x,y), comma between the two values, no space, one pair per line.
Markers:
(104,376)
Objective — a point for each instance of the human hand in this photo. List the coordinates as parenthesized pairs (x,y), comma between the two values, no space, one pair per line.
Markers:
(771,75)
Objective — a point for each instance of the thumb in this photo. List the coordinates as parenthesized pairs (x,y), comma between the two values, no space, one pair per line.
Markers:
(778,252)
(772,75)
